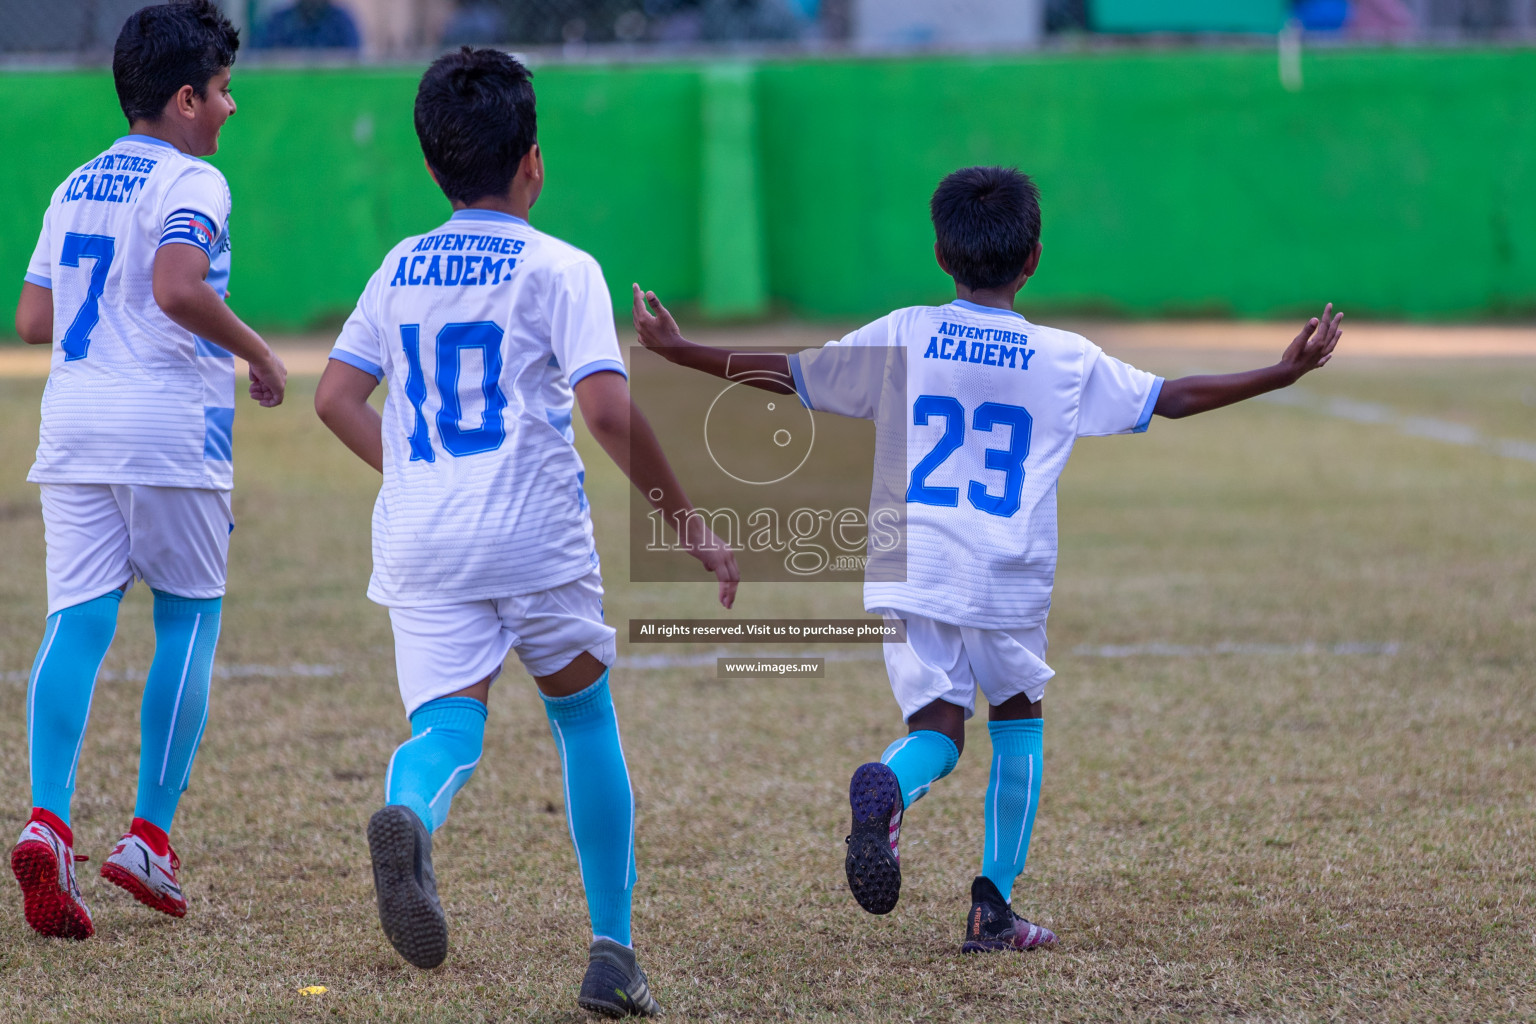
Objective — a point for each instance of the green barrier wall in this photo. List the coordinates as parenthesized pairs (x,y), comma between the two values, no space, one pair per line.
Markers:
(1399,184)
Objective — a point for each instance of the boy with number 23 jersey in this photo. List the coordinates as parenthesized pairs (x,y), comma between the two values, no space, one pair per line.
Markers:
(986,407)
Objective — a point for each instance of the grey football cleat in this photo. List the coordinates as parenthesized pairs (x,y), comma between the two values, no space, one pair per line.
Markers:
(615,986)
(409,911)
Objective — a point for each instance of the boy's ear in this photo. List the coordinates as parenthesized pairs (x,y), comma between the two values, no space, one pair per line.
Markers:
(431,172)
(1031,265)
(530,175)
(940,257)
(181,103)
(532,165)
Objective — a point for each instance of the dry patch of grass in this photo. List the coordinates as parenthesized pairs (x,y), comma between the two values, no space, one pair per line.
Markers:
(1267,836)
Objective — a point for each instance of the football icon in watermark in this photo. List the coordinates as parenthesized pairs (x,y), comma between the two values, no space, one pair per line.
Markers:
(798,494)
(755,436)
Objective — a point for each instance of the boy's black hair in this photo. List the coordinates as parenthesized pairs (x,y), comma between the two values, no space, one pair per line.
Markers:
(475,119)
(165,47)
(987,222)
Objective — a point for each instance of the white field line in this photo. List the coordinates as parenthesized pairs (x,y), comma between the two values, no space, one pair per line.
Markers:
(1227,647)
(219,672)
(1413,426)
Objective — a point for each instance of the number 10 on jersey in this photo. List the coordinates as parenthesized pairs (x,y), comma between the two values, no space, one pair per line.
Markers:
(452,342)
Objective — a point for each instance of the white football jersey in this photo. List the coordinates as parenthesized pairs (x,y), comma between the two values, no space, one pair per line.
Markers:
(132,398)
(481,327)
(991,406)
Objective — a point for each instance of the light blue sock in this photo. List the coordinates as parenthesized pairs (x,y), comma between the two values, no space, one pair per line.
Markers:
(426,771)
(59,696)
(175,707)
(1013,793)
(920,759)
(599,804)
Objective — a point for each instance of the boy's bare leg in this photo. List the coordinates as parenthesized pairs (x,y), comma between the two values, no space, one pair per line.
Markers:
(941,717)
(581,673)
(1017,708)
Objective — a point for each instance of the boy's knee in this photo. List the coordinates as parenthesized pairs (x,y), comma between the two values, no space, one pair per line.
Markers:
(1016,708)
(87,627)
(941,717)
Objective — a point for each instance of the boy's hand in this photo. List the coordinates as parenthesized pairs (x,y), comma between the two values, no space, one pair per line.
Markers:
(269,379)
(658,331)
(1313,347)
(717,557)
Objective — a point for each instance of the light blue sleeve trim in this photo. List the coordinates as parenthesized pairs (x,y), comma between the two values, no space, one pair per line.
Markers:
(357,361)
(39,280)
(1146,410)
(598,366)
(795,372)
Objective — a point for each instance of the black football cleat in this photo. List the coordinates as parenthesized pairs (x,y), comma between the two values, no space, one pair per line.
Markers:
(409,911)
(615,986)
(993,926)
(873,864)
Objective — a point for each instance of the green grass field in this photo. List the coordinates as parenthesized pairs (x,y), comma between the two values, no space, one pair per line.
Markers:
(1254,827)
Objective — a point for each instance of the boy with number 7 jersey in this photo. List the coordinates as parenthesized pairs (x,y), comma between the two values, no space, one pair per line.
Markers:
(128,284)
(989,407)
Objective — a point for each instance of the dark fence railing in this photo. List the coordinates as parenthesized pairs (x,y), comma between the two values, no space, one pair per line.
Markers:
(82,31)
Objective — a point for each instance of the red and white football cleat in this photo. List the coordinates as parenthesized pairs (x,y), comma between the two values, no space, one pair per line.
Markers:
(44,863)
(148,876)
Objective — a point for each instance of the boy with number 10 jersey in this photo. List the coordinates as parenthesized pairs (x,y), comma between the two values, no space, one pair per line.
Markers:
(489,332)
(484,326)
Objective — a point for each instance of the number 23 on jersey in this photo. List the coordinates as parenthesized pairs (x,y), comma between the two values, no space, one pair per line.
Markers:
(1008,461)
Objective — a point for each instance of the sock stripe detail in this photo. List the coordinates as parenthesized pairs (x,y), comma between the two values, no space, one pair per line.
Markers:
(629,862)
(451,776)
(37,670)
(389,773)
(1028,793)
(997,780)
(197,741)
(186,667)
(895,749)
(565,784)
(74,764)
(629,870)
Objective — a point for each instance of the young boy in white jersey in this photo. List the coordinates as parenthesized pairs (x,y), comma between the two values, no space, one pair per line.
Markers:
(991,405)
(486,329)
(127,283)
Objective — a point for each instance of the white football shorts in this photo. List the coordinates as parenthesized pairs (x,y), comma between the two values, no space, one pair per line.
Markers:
(442,649)
(101,536)
(941,661)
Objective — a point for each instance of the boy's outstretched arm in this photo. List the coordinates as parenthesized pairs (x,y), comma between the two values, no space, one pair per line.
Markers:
(341,400)
(182,291)
(659,333)
(627,437)
(1310,349)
